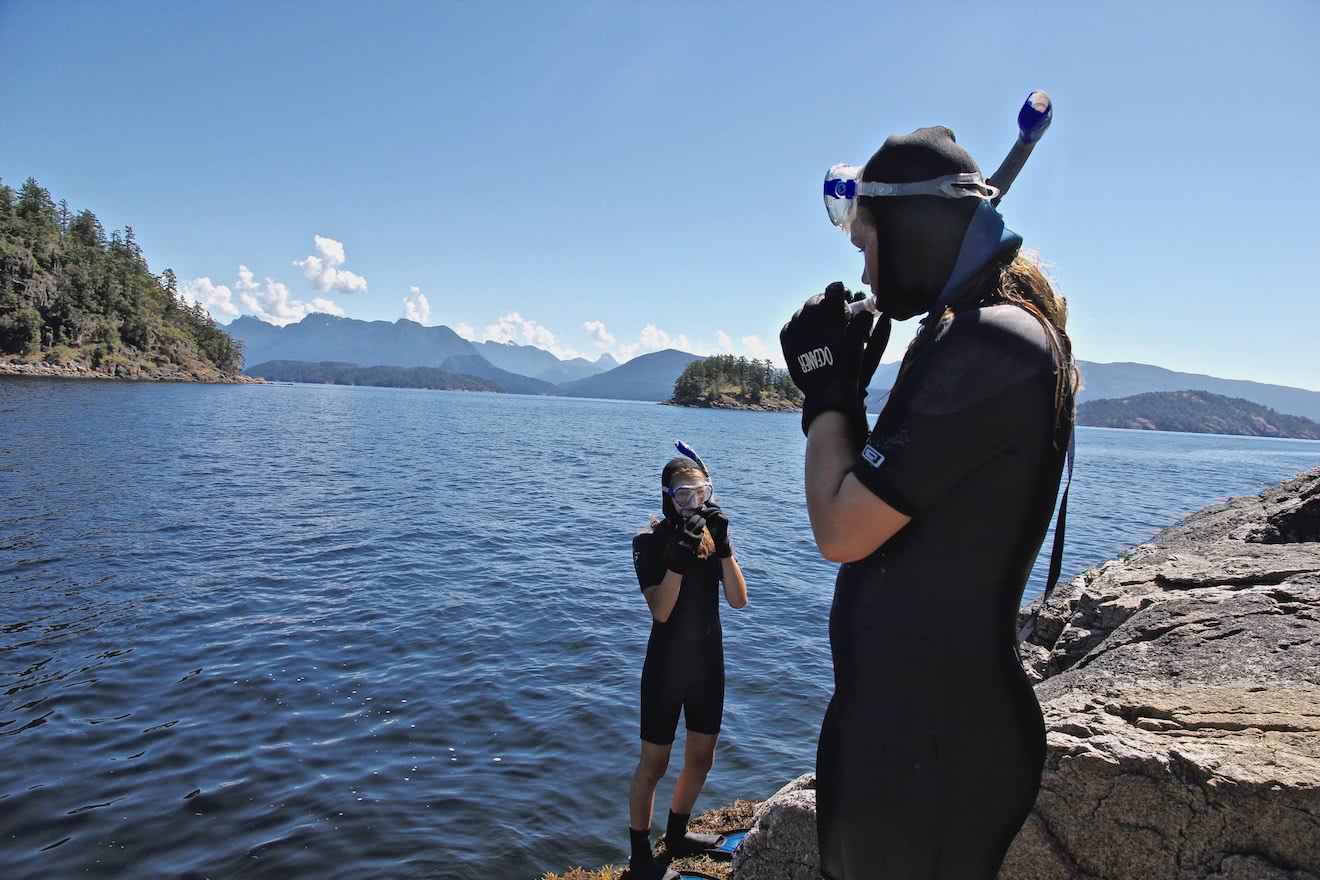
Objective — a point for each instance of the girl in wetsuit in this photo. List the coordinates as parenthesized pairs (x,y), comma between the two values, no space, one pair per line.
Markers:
(680,562)
(932,746)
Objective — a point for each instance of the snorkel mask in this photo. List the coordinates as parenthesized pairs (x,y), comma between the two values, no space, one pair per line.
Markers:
(679,500)
(691,496)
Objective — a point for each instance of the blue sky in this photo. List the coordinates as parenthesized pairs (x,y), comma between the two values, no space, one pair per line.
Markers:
(596,169)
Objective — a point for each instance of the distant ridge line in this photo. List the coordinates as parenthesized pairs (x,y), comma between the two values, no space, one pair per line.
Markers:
(405,343)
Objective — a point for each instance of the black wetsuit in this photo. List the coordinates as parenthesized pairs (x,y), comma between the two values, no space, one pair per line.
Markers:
(932,747)
(684,668)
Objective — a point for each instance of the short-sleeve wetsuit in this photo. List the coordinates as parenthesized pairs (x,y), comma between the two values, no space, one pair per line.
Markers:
(932,747)
(684,668)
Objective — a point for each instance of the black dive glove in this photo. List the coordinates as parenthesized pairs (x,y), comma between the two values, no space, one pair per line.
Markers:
(718,523)
(684,540)
(832,355)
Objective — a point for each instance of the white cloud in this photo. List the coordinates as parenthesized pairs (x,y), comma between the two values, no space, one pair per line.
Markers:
(272,302)
(513,327)
(599,334)
(217,298)
(320,304)
(415,307)
(324,272)
(245,282)
(754,348)
(652,338)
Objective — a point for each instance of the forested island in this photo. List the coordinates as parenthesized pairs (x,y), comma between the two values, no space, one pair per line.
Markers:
(1196,412)
(78,303)
(727,382)
(339,373)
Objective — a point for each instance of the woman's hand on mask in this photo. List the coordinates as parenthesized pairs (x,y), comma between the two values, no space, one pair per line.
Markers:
(829,358)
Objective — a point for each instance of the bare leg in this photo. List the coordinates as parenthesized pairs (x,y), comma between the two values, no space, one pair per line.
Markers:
(641,792)
(698,756)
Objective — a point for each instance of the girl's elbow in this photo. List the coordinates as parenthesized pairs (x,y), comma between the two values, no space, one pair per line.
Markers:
(830,541)
(834,550)
(841,552)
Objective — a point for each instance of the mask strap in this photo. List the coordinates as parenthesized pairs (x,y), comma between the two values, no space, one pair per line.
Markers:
(967,184)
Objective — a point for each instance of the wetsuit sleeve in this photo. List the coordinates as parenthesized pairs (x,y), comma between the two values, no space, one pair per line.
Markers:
(648,560)
(981,384)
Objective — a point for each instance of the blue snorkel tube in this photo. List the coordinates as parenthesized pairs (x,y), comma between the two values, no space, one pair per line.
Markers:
(691,453)
(1033,119)
(986,236)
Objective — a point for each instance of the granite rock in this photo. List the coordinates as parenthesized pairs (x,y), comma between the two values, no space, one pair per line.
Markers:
(782,842)
(1181,692)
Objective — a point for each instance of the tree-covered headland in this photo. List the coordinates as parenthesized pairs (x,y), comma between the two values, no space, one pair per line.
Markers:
(737,383)
(71,296)
(1195,412)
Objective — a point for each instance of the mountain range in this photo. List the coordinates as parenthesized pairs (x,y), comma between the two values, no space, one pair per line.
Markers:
(528,360)
(526,369)
(320,339)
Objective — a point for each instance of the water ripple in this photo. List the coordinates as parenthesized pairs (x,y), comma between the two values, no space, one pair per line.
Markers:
(340,632)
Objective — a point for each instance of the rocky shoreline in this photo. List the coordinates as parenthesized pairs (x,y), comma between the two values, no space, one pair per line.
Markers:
(131,372)
(734,405)
(1181,691)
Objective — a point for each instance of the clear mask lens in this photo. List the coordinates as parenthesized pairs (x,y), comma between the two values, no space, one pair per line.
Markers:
(690,497)
(841,194)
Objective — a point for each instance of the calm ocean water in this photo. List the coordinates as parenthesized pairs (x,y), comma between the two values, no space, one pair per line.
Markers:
(357,632)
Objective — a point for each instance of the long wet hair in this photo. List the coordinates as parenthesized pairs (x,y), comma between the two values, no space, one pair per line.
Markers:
(1017,280)
(672,471)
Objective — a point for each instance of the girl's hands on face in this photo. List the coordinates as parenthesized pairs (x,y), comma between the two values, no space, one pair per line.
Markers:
(718,523)
(684,541)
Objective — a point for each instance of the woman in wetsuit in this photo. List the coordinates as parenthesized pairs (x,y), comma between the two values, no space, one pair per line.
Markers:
(932,746)
(681,561)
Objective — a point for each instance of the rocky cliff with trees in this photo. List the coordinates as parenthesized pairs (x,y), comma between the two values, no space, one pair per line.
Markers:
(74,301)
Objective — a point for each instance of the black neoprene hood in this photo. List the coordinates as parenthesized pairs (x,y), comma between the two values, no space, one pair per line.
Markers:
(918,236)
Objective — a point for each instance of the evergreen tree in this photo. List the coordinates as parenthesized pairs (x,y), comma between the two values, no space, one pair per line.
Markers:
(87,230)
(36,209)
